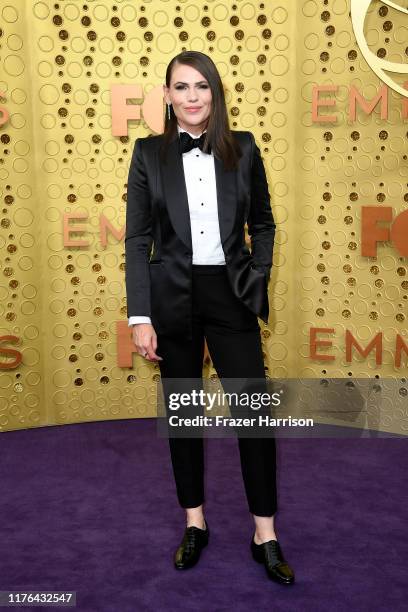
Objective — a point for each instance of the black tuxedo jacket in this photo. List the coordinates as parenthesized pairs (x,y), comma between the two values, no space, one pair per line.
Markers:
(158,279)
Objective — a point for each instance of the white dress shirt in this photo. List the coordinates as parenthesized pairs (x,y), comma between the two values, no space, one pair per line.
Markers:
(199,174)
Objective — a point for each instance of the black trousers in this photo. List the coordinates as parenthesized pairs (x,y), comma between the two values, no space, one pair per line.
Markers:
(233,338)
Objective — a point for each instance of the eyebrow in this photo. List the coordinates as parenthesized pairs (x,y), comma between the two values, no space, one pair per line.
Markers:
(182,83)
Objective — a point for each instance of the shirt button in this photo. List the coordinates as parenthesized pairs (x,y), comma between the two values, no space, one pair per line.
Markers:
(201,232)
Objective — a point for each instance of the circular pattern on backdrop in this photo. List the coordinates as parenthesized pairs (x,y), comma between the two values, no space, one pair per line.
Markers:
(319,176)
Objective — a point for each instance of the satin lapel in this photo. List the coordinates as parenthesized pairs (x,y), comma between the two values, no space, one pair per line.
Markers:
(227,197)
(175,193)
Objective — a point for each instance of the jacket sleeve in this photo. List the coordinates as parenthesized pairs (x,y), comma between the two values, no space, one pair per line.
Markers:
(261,225)
(138,238)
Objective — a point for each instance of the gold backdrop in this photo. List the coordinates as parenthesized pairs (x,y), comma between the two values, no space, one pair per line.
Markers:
(64,342)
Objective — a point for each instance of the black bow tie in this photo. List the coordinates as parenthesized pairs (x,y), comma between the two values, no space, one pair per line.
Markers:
(186,142)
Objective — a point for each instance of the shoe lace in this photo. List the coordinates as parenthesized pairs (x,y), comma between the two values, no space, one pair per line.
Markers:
(190,539)
(273,554)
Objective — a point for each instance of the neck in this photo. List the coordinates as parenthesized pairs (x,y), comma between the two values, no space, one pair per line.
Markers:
(196,130)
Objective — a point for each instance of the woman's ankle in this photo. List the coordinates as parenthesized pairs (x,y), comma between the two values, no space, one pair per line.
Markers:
(196,518)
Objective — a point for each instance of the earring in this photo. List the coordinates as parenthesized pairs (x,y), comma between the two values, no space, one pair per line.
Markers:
(168,111)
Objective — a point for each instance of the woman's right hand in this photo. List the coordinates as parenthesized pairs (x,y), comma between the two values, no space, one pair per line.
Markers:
(145,339)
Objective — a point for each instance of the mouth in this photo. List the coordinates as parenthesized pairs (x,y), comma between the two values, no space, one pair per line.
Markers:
(192,109)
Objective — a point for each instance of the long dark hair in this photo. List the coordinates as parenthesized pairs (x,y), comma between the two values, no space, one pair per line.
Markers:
(218,133)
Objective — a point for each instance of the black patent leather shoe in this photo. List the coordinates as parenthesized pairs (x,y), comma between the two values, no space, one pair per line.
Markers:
(194,540)
(270,554)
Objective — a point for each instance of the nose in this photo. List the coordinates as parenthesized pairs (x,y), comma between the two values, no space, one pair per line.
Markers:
(192,96)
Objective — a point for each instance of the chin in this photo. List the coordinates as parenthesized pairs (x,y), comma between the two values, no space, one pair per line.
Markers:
(195,120)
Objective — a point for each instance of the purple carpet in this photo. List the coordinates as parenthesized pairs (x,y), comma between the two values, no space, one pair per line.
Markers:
(92,508)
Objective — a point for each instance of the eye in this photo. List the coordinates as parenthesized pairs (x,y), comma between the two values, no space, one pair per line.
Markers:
(200,86)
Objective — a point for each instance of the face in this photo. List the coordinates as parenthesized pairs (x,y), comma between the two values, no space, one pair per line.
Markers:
(190,95)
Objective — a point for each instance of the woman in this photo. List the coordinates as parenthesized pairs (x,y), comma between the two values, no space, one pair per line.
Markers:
(190,276)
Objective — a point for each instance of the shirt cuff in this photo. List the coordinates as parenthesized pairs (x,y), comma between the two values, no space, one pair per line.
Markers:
(139,319)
